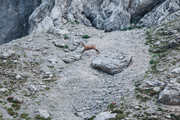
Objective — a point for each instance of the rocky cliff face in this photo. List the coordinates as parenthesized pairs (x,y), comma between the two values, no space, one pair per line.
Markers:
(110,15)
(105,14)
(14,15)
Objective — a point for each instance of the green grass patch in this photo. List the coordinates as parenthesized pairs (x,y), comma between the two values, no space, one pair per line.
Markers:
(152,61)
(23,115)
(111,106)
(85,36)
(91,118)
(66,37)
(65,47)
(38,117)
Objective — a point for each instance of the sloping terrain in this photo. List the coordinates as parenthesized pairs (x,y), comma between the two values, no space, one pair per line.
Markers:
(45,75)
(37,75)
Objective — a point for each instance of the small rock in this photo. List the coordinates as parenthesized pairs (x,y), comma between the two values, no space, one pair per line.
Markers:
(136,107)
(43,113)
(32,88)
(168,116)
(46,47)
(61,45)
(157,89)
(3,89)
(17,99)
(15,61)
(71,58)
(80,114)
(173,43)
(6,54)
(18,77)
(149,83)
(157,43)
(174,31)
(44,51)
(52,60)
(105,116)
(176,71)
(60,32)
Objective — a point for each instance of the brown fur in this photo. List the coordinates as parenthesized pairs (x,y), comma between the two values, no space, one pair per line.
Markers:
(89,48)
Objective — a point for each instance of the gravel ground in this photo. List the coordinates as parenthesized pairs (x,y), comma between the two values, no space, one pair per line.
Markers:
(80,91)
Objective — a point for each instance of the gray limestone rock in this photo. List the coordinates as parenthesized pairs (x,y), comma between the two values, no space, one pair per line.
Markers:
(68,58)
(176,70)
(112,62)
(164,12)
(6,54)
(43,113)
(102,14)
(3,89)
(105,116)
(170,94)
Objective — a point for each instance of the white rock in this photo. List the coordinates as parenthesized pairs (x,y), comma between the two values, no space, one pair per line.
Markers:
(17,99)
(3,89)
(32,88)
(60,32)
(157,43)
(43,113)
(15,61)
(18,77)
(176,70)
(6,54)
(105,116)
(157,89)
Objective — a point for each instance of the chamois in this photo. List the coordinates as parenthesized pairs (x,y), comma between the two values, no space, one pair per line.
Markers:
(89,48)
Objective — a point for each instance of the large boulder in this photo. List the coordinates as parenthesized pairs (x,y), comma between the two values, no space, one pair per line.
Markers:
(112,62)
(171,93)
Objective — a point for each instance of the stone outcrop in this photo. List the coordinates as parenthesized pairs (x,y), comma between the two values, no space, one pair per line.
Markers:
(14,15)
(102,14)
(165,12)
(170,94)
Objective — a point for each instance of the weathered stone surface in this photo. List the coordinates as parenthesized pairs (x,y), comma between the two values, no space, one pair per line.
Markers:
(32,87)
(71,58)
(165,12)
(18,77)
(154,83)
(176,70)
(102,14)
(112,62)
(6,54)
(43,113)
(39,19)
(105,116)
(170,94)
(60,32)
(17,99)
(3,89)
